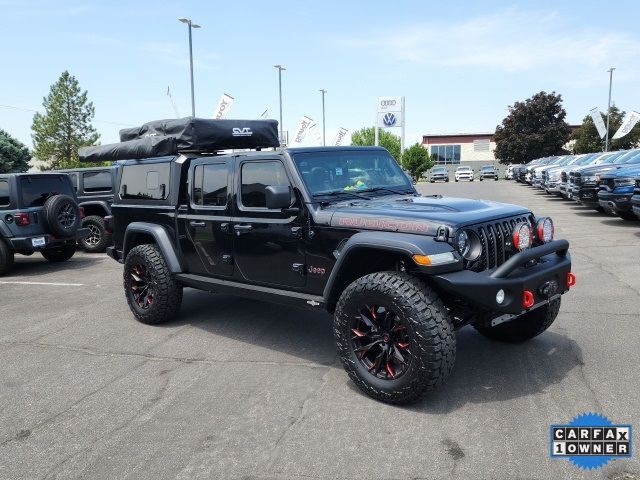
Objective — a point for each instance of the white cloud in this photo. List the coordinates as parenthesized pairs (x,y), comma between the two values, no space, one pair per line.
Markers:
(509,41)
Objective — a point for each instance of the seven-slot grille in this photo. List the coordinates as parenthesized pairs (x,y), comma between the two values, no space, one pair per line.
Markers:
(608,183)
(563,175)
(497,243)
(577,178)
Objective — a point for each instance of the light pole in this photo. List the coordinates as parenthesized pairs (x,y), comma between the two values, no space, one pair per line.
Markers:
(191,25)
(280,69)
(606,138)
(324,142)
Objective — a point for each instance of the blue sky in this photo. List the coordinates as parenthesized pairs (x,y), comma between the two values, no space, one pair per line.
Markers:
(459,64)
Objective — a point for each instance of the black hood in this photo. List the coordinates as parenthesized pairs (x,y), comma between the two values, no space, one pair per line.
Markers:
(413,214)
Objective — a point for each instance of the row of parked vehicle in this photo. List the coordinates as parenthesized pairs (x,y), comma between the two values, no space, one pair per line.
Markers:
(53,213)
(606,181)
(440,173)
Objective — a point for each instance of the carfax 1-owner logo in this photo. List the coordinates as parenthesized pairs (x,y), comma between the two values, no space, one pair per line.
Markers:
(590,441)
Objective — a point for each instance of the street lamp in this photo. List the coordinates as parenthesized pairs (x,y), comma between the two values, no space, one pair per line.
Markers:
(323,118)
(280,69)
(606,138)
(191,25)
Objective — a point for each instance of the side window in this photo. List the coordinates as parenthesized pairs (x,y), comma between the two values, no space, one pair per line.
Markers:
(256,177)
(96,181)
(4,193)
(210,185)
(147,182)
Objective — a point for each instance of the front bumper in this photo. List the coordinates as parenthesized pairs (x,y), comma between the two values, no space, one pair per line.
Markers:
(587,196)
(546,279)
(25,244)
(552,187)
(615,202)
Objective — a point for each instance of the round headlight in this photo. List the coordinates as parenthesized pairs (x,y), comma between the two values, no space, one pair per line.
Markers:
(462,242)
(545,230)
(468,244)
(522,236)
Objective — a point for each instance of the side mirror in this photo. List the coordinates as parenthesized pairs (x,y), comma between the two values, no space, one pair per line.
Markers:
(278,197)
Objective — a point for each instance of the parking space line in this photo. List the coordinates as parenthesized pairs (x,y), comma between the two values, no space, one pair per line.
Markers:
(53,284)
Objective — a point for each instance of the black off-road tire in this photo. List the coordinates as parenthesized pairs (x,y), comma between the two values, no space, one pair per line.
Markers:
(59,254)
(62,215)
(523,328)
(628,216)
(167,292)
(6,258)
(432,341)
(98,240)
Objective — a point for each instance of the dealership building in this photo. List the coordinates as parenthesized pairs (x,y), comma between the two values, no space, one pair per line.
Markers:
(461,148)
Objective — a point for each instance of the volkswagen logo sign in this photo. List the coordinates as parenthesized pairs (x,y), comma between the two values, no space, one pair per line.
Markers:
(389,119)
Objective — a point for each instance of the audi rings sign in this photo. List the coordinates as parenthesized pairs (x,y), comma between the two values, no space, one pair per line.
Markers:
(389,112)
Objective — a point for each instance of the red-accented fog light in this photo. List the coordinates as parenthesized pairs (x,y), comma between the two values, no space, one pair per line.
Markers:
(545,230)
(522,236)
(527,299)
(571,279)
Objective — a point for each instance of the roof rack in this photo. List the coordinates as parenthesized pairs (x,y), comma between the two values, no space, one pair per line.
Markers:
(185,135)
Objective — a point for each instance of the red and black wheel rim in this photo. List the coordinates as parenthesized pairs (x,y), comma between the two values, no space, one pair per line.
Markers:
(381,342)
(142,286)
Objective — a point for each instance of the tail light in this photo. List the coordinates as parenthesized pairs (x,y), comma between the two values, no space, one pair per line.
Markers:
(22,219)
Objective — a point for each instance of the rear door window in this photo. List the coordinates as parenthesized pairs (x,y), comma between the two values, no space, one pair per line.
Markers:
(4,193)
(97,181)
(36,190)
(210,185)
(145,182)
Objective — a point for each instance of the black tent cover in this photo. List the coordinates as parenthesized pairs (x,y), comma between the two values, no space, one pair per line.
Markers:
(189,134)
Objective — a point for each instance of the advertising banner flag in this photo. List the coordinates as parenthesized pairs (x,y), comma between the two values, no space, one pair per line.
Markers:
(340,137)
(317,134)
(224,105)
(597,120)
(302,129)
(173,104)
(628,123)
(265,114)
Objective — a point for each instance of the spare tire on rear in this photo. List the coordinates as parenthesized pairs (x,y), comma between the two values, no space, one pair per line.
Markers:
(62,215)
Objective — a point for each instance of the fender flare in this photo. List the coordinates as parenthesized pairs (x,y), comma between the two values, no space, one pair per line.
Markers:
(162,238)
(97,203)
(401,243)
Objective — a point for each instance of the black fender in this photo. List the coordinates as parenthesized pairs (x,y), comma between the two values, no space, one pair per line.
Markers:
(405,244)
(97,203)
(162,239)
(4,230)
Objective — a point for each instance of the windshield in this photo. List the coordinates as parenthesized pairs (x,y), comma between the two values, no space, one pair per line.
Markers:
(487,168)
(464,169)
(351,170)
(439,170)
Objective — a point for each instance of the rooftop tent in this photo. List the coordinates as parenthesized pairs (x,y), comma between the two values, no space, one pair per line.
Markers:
(207,135)
(195,135)
(159,146)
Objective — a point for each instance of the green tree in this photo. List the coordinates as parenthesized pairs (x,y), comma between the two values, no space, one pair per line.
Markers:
(65,126)
(417,160)
(534,128)
(14,155)
(366,137)
(588,140)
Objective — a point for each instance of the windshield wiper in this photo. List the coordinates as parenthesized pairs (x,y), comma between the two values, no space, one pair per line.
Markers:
(336,193)
(386,189)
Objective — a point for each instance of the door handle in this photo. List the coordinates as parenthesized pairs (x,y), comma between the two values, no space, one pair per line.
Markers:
(240,229)
(196,224)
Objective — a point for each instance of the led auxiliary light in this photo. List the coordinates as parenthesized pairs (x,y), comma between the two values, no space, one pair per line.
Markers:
(500,297)
(545,230)
(522,236)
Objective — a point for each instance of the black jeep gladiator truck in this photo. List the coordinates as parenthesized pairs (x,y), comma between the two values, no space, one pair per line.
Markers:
(39,212)
(94,188)
(335,228)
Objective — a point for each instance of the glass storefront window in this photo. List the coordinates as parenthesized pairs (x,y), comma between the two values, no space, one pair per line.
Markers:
(446,154)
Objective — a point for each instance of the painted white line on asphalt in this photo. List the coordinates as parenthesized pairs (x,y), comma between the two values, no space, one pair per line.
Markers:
(45,283)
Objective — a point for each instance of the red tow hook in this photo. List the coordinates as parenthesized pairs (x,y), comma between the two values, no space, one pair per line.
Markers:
(527,299)
(571,279)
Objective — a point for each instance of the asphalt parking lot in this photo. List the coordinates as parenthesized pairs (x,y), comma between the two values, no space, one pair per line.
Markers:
(242,389)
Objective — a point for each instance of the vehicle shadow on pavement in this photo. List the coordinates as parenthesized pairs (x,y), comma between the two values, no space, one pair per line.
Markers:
(305,334)
(619,222)
(490,371)
(36,264)
(485,370)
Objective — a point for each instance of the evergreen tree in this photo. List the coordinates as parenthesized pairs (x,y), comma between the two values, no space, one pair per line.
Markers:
(14,155)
